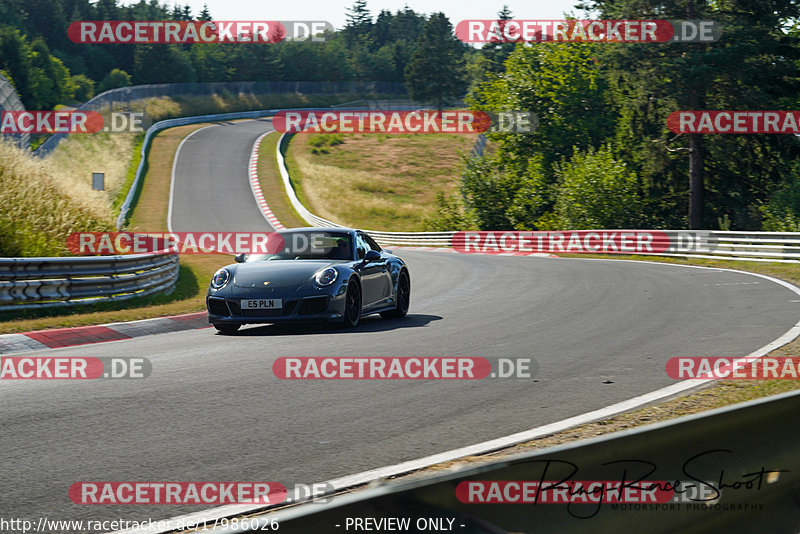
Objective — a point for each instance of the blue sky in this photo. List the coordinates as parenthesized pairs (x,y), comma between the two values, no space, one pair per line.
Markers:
(334,11)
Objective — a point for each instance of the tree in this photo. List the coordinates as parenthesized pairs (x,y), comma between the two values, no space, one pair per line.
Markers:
(782,211)
(359,21)
(50,80)
(204,15)
(83,88)
(562,84)
(381,30)
(212,61)
(16,63)
(46,19)
(161,63)
(497,50)
(596,190)
(500,196)
(106,10)
(754,66)
(435,71)
(114,79)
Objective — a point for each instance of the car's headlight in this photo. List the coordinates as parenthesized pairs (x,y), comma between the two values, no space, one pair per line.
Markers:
(326,276)
(220,278)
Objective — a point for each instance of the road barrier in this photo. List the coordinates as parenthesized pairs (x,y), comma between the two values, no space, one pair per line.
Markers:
(733,469)
(736,468)
(31,283)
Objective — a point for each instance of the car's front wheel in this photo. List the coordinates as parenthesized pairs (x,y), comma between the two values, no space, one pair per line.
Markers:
(403,298)
(227,329)
(352,304)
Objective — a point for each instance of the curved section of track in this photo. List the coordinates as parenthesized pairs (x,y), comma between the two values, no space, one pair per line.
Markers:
(210,183)
(599,331)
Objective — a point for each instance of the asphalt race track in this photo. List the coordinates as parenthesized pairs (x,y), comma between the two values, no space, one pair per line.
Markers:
(599,331)
(212,191)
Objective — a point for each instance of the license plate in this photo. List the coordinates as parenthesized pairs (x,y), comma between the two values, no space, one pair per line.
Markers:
(261,304)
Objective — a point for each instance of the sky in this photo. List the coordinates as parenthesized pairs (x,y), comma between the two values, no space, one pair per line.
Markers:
(335,11)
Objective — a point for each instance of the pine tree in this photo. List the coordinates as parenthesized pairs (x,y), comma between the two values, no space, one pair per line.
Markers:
(434,73)
(359,22)
(497,51)
(204,14)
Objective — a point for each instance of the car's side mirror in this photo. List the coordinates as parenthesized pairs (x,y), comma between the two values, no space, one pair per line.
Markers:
(372,255)
(239,258)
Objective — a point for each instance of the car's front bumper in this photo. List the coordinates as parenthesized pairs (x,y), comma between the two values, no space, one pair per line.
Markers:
(227,310)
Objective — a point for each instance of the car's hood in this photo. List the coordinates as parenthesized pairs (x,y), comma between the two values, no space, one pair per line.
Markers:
(279,273)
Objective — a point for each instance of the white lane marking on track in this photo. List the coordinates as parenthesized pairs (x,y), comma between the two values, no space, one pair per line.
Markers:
(172,178)
(733,284)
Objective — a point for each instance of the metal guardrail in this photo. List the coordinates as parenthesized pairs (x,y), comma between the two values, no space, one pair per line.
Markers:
(732,479)
(781,247)
(31,283)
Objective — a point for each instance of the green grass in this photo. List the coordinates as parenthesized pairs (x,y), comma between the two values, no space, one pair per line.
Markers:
(36,215)
(131,174)
(375,181)
(272,184)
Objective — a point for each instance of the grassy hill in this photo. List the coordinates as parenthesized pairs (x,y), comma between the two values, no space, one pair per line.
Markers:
(376,181)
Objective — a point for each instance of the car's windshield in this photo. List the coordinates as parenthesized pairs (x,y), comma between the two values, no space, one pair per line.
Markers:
(310,245)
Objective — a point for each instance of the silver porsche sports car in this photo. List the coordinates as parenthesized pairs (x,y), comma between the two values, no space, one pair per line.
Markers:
(318,274)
